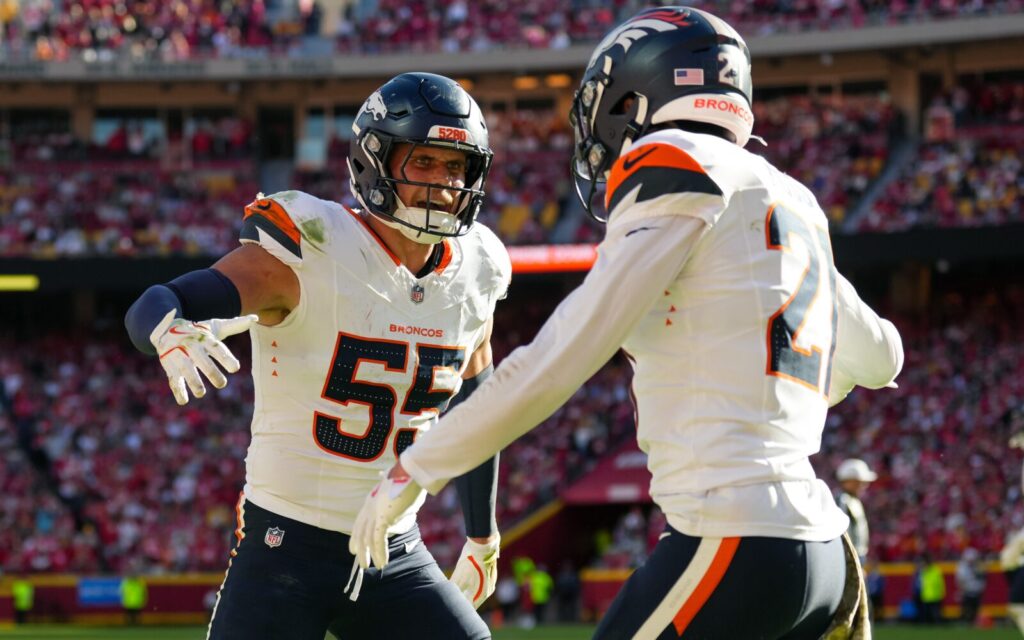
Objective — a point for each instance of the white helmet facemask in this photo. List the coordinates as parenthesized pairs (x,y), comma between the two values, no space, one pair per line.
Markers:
(433,219)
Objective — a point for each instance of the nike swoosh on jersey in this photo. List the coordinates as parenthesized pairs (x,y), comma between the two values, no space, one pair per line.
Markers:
(629,162)
(639,229)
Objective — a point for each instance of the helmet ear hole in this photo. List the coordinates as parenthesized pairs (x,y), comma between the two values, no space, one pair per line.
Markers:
(357,165)
(623,106)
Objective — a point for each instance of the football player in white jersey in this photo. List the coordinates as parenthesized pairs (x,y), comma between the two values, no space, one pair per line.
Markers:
(365,325)
(716,277)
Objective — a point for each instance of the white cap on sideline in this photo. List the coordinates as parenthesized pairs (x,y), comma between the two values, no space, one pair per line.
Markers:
(855,469)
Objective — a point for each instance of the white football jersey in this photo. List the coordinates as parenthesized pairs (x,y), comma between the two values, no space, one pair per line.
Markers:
(732,365)
(716,277)
(366,360)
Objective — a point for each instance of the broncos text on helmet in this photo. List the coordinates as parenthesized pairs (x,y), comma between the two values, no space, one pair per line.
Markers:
(422,109)
(670,64)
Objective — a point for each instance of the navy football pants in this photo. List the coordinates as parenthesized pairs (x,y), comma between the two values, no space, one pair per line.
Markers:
(295,591)
(729,589)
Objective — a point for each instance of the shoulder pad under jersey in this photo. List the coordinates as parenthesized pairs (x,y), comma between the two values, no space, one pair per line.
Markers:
(493,262)
(285,224)
(674,171)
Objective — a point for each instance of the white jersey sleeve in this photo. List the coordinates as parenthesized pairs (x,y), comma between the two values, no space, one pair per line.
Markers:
(634,266)
(285,224)
(1011,554)
(869,351)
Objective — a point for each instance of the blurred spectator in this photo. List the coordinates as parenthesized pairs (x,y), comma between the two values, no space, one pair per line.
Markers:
(541,587)
(854,477)
(933,590)
(507,595)
(23,593)
(970,581)
(567,592)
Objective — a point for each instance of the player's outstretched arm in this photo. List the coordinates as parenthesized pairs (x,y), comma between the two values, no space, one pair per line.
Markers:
(185,320)
(635,264)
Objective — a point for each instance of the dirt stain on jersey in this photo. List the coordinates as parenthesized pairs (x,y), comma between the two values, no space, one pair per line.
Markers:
(313,230)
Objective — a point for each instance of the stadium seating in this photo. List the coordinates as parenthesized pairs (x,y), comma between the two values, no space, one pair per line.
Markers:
(149,482)
(967,170)
(103,30)
(68,198)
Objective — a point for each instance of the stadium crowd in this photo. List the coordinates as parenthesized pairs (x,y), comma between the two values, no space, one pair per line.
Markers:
(101,469)
(62,197)
(834,145)
(103,30)
(67,198)
(967,170)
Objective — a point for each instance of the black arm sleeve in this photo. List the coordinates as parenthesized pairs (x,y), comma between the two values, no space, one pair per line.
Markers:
(478,488)
(197,295)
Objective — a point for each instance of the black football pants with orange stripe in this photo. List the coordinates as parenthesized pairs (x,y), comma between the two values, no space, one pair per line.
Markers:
(729,589)
(287,581)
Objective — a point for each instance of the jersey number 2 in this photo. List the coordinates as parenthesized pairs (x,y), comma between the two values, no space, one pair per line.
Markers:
(381,399)
(786,359)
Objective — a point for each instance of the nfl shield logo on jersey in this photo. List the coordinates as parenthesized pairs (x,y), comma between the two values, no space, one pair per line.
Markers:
(416,295)
(274,537)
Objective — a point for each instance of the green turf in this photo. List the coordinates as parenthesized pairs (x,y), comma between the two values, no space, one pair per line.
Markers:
(886,632)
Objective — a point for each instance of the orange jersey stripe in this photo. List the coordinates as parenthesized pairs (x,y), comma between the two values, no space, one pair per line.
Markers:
(656,154)
(276,214)
(369,229)
(446,257)
(719,565)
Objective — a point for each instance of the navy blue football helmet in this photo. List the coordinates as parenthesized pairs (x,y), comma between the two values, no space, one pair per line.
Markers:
(671,64)
(423,109)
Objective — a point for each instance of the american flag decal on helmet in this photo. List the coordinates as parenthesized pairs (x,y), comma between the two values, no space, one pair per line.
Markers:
(689,77)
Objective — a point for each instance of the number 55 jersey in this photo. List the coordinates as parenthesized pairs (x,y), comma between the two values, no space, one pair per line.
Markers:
(369,357)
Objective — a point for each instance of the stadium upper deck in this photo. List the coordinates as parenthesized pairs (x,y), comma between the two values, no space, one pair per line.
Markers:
(98,30)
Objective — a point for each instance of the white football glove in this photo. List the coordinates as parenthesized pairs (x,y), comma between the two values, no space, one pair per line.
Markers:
(186,348)
(390,501)
(476,573)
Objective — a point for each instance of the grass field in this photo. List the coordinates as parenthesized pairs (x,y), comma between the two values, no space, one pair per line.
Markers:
(540,633)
